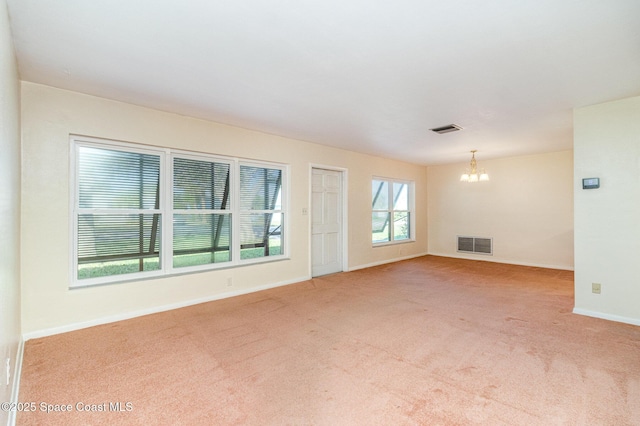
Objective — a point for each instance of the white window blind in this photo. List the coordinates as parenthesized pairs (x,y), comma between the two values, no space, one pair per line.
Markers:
(202,214)
(119,220)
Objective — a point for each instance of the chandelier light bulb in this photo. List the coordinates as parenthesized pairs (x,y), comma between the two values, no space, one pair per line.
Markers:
(472,174)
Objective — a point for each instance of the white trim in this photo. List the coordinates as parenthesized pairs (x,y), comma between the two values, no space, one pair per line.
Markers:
(235,213)
(411,210)
(167,225)
(73,218)
(391,179)
(15,388)
(610,317)
(485,258)
(383,262)
(285,212)
(76,142)
(166,211)
(133,314)
(345,219)
(166,197)
(393,243)
(345,213)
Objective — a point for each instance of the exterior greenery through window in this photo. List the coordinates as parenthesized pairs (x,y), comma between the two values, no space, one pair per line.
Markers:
(201,212)
(391,211)
(143,212)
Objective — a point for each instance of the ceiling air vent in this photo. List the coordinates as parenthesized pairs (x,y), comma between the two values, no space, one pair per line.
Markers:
(475,245)
(446,129)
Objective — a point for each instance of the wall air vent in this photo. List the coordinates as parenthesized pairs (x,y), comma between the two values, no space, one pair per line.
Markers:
(475,245)
(446,129)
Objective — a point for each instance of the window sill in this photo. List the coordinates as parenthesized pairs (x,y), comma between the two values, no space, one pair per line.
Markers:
(128,278)
(393,243)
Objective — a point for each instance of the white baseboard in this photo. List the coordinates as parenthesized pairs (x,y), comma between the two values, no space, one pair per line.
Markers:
(133,314)
(154,310)
(15,389)
(383,262)
(486,258)
(610,317)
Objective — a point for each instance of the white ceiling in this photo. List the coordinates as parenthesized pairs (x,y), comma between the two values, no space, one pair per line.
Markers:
(366,75)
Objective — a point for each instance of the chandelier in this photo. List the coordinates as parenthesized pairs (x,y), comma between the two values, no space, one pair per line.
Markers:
(471,174)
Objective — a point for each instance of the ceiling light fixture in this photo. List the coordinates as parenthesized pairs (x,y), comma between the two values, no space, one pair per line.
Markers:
(471,174)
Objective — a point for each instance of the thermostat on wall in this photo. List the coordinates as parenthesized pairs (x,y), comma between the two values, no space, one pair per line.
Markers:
(590,183)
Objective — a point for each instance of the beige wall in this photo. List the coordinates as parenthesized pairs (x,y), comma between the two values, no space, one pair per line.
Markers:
(49,115)
(526,207)
(9,208)
(607,220)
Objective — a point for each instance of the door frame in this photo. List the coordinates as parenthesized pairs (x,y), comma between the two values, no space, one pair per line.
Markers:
(345,222)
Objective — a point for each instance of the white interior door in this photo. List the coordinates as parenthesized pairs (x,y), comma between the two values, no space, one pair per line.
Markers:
(326,222)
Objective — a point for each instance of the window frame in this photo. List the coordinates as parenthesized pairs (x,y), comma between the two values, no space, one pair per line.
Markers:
(391,211)
(166,210)
(203,158)
(240,211)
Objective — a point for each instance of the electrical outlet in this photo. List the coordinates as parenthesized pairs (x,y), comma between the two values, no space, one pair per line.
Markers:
(8,370)
(596,288)
(229,282)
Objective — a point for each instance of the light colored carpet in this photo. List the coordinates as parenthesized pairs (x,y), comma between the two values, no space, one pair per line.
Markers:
(431,341)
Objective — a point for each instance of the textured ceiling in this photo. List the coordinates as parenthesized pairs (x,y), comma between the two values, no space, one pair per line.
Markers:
(368,76)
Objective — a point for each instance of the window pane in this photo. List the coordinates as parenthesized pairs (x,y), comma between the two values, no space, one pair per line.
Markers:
(380,195)
(200,185)
(117,244)
(400,196)
(110,179)
(401,226)
(260,188)
(260,235)
(380,227)
(200,239)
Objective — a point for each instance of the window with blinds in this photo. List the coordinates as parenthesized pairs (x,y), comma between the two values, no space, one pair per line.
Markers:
(119,217)
(261,215)
(201,212)
(137,215)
